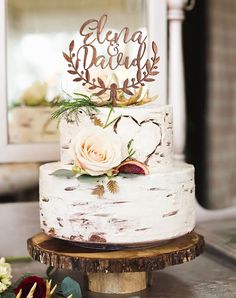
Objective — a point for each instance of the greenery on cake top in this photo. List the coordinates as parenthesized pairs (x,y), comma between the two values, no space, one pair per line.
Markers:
(69,107)
(89,104)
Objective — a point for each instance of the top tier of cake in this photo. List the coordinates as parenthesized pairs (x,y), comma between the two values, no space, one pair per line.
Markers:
(148,130)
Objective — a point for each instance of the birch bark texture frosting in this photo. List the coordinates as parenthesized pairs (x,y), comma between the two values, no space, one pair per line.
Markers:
(147,208)
(150,208)
(150,128)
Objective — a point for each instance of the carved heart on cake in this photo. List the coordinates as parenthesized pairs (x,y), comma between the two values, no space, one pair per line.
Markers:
(146,136)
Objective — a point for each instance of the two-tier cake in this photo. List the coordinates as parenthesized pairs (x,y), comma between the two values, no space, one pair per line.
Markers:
(145,197)
(116,182)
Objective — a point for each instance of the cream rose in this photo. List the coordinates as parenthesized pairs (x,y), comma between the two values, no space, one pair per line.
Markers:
(96,150)
(5,275)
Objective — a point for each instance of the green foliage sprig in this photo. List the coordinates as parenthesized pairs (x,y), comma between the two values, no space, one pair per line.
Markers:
(108,121)
(70,107)
(131,151)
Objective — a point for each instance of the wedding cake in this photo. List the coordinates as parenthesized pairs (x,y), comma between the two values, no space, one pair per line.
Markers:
(116,182)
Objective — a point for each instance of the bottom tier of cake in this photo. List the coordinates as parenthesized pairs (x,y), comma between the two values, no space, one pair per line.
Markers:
(151,208)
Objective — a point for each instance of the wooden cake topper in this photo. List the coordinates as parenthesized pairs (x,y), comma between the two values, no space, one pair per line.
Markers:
(85,57)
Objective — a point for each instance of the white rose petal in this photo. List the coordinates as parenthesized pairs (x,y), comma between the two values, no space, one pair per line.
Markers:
(96,150)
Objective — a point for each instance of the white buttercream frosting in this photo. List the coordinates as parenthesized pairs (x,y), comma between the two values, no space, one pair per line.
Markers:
(155,207)
(150,128)
(147,208)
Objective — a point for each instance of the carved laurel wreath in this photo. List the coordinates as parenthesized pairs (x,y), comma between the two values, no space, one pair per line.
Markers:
(84,76)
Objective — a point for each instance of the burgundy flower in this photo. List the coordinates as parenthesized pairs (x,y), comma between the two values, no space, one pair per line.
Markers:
(28,282)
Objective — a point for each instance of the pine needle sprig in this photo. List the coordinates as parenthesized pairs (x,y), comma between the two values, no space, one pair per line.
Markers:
(71,106)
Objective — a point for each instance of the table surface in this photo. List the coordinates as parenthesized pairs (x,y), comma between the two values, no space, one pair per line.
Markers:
(204,277)
(207,276)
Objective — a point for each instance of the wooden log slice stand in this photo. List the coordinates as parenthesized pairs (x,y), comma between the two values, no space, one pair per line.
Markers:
(117,272)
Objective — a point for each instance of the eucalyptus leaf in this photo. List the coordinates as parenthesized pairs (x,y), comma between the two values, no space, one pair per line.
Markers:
(70,286)
(63,173)
(90,179)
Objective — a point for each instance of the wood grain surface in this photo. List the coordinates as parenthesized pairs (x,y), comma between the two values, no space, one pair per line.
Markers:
(66,255)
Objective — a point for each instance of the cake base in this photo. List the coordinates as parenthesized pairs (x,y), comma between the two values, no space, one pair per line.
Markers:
(147,208)
(116,272)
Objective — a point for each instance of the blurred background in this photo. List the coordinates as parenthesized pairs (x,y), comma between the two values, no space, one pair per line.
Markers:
(38,29)
(210,73)
(37,32)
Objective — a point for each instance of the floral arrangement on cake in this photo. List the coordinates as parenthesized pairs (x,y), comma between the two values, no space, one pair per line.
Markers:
(98,148)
